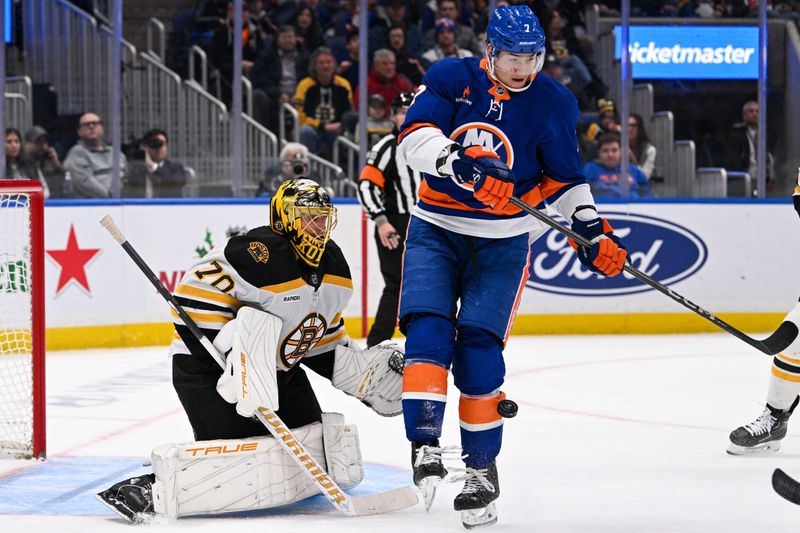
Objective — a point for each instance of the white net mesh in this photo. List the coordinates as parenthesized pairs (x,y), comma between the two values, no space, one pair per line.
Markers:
(16,311)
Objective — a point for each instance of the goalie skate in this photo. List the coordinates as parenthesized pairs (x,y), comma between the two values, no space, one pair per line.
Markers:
(132,499)
(476,501)
(763,434)
(426,461)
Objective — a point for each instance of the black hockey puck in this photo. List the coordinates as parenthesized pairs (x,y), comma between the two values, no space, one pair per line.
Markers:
(507,408)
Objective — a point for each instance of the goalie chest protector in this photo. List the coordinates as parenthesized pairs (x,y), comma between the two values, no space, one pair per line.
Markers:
(259,269)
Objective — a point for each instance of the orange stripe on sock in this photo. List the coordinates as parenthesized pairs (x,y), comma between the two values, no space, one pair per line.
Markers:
(479,410)
(425,377)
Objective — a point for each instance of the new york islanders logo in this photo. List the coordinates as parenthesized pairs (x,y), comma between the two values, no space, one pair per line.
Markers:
(488,136)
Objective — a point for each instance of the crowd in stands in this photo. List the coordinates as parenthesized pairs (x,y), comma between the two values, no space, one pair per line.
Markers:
(86,169)
(305,53)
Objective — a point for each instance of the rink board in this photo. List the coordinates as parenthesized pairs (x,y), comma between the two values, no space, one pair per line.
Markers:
(732,258)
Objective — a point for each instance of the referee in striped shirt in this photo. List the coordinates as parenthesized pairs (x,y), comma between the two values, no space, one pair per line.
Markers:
(387,191)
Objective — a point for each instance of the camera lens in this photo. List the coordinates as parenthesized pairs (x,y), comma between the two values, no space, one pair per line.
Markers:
(299,169)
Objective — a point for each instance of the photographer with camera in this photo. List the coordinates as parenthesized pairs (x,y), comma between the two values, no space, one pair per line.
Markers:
(155,176)
(293,164)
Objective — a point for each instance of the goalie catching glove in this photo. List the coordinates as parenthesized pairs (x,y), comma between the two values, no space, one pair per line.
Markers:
(374,376)
(607,255)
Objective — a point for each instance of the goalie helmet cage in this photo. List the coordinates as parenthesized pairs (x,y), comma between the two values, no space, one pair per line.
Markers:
(22,319)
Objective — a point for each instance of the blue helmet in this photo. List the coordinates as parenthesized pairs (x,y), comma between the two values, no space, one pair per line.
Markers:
(515,29)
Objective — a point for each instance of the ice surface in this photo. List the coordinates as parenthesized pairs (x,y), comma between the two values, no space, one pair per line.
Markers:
(614,434)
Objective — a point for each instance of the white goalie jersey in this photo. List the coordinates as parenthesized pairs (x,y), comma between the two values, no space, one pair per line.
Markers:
(259,269)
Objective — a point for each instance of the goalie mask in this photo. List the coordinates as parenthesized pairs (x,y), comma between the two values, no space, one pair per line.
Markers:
(302,211)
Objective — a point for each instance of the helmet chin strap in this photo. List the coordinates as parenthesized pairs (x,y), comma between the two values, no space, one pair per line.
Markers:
(490,57)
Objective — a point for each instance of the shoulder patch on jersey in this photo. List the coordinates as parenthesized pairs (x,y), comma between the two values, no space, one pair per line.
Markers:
(262,258)
(259,251)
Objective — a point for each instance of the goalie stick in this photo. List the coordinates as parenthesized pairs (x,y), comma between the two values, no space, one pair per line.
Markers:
(785,486)
(777,342)
(383,502)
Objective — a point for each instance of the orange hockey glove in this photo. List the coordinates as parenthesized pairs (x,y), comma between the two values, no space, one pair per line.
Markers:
(493,180)
(607,255)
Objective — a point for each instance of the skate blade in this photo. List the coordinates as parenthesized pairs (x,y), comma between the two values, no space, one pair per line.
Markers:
(485,516)
(428,487)
(128,517)
(760,449)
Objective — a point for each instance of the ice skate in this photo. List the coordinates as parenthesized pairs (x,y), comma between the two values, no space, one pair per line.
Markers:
(763,434)
(476,501)
(132,499)
(426,460)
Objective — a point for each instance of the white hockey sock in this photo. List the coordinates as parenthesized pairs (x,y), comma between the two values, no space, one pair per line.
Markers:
(784,382)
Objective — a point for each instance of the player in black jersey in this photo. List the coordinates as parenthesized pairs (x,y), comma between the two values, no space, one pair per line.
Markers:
(299,281)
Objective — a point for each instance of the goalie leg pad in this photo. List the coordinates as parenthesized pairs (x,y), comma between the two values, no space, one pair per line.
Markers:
(342,450)
(224,476)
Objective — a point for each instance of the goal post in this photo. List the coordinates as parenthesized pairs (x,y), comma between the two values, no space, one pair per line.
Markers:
(22,319)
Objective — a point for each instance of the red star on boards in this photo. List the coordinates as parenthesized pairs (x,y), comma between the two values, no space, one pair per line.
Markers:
(73,260)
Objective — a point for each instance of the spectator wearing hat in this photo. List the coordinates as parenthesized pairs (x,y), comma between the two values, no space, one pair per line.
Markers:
(378,122)
(464,35)
(607,122)
(445,43)
(321,100)
(156,176)
(45,160)
(383,79)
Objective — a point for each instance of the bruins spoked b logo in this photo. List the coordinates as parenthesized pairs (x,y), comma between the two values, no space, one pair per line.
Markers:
(301,339)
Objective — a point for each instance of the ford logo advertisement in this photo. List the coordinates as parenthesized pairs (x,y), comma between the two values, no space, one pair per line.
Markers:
(661,249)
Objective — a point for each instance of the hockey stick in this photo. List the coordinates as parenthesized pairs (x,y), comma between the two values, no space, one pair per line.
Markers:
(778,341)
(785,486)
(383,502)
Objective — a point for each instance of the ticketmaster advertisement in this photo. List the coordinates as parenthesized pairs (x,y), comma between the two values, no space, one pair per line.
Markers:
(733,259)
(691,52)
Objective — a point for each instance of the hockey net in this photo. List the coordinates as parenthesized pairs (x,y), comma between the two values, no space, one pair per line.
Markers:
(22,420)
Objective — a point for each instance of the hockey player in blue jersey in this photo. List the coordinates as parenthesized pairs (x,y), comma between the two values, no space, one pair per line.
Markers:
(482,131)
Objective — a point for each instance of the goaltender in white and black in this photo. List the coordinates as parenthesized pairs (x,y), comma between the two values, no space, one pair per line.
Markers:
(288,283)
